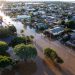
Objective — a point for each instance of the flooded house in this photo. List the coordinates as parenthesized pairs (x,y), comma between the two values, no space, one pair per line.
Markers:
(54,32)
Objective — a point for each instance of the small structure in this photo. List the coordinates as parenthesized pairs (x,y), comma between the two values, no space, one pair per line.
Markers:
(56,31)
(21,17)
(41,25)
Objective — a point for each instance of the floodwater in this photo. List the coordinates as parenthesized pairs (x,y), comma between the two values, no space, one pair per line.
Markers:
(19,26)
(37,68)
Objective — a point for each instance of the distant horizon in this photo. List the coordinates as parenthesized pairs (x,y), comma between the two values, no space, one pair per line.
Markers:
(39,0)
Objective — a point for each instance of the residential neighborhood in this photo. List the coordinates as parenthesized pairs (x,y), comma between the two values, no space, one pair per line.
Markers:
(37,38)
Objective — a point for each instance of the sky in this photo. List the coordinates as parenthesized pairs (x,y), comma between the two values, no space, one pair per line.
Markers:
(42,0)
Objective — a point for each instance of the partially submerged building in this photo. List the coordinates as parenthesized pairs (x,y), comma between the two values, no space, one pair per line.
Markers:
(54,32)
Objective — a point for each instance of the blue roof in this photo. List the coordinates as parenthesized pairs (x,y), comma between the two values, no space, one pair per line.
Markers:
(57,29)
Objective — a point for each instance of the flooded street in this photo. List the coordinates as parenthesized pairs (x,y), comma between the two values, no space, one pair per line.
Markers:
(43,66)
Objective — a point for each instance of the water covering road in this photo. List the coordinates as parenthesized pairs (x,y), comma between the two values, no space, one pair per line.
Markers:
(68,68)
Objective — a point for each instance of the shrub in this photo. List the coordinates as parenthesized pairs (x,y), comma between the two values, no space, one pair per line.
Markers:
(3,47)
(12,28)
(28,39)
(62,22)
(71,24)
(7,31)
(50,53)
(19,40)
(5,61)
(4,32)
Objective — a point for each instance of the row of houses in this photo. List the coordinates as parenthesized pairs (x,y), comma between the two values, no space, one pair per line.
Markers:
(45,15)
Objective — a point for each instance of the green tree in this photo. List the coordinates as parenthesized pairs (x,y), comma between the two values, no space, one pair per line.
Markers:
(3,47)
(7,31)
(28,39)
(62,22)
(50,53)
(12,28)
(25,51)
(19,40)
(5,61)
(4,32)
(71,24)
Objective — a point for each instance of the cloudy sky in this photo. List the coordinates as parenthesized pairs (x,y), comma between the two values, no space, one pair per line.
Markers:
(41,0)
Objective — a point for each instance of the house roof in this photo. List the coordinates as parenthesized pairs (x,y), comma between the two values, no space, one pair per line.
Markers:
(23,16)
(56,30)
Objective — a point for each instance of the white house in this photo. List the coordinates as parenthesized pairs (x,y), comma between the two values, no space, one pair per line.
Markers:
(20,17)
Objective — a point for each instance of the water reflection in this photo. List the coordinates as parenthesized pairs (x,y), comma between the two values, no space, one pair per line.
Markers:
(30,31)
(28,68)
(19,26)
(22,68)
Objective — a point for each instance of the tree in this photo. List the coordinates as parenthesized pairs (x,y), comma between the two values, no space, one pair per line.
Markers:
(67,30)
(3,47)
(7,31)
(5,61)
(50,53)
(69,16)
(25,51)
(28,39)
(4,32)
(71,24)
(12,28)
(19,40)
(62,22)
